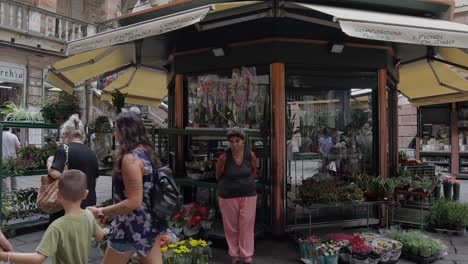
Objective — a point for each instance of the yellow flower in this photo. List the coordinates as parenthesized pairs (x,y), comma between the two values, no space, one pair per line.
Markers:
(164,249)
(172,245)
(177,251)
(181,242)
(202,243)
(193,242)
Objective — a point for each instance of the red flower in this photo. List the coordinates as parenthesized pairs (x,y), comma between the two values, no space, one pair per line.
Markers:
(203,212)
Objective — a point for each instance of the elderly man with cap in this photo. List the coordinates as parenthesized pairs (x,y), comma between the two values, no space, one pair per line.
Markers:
(237,196)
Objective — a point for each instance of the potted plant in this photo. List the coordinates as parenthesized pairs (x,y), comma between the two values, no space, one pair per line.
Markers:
(416,246)
(360,250)
(58,109)
(12,113)
(118,100)
(192,219)
(308,246)
(449,216)
(191,251)
(330,251)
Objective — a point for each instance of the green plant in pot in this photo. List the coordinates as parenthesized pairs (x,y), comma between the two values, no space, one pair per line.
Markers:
(13,113)
(449,215)
(118,100)
(60,108)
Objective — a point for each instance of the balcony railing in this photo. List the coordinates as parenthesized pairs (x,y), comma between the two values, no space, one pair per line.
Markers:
(39,22)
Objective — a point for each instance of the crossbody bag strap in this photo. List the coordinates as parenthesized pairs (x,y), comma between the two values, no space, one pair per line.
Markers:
(66,148)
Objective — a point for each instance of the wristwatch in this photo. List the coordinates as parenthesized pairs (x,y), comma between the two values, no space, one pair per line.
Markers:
(100,214)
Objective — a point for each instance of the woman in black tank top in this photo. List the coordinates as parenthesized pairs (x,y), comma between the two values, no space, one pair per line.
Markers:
(237,196)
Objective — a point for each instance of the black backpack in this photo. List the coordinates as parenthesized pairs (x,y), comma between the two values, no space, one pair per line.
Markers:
(166,199)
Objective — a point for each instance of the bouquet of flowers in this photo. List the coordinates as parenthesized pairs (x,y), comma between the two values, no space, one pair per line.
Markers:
(331,248)
(308,246)
(189,251)
(360,250)
(191,219)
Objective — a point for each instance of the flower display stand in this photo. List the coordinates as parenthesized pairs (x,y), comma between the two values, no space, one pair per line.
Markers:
(10,225)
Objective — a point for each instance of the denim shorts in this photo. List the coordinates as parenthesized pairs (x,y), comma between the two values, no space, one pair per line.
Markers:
(121,247)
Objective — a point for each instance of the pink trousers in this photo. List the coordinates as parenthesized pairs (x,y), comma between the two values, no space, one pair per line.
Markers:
(239,222)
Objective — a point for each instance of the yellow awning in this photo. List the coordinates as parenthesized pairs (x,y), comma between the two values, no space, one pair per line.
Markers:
(58,82)
(228,6)
(457,56)
(143,85)
(420,85)
(85,66)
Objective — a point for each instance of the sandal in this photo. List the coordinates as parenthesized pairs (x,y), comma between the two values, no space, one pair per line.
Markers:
(250,262)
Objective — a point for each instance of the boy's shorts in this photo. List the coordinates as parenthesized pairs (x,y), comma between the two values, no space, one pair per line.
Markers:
(121,247)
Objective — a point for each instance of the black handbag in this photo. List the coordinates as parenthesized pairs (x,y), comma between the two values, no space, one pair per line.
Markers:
(166,199)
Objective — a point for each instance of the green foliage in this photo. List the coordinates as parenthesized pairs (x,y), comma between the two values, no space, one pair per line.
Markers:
(13,113)
(20,203)
(448,214)
(416,243)
(101,126)
(328,192)
(379,186)
(118,100)
(29,158)
(414,183)
(60,108)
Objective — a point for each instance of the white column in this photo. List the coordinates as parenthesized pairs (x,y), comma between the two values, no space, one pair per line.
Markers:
(2,13)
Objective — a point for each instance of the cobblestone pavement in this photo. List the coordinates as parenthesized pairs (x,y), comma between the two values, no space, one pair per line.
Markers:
(267,251)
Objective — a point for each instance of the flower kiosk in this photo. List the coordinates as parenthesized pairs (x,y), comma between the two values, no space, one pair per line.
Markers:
(316,94)
(314,86)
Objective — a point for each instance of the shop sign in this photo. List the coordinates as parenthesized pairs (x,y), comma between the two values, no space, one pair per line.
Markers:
(401,34)
(12,73)
(139,31)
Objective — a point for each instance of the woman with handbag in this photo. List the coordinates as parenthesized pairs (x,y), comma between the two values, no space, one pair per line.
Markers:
(134,230)
(73,154)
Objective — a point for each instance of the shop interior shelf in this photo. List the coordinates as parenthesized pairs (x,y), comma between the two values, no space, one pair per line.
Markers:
(349,204)
(435,152)
(437,163)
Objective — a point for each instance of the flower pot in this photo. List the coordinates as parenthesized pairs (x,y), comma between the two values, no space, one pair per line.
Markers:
(206,225)
(395,254)
(331,259)
(176,230)
(456,192)
(317,259)
(436,192)
(359,259)
(191,231)
(344,257)
(448,188)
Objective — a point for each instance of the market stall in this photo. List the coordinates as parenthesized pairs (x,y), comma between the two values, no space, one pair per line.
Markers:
(319,83)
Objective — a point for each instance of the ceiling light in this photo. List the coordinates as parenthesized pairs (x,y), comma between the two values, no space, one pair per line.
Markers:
(55,89)
(5,87)
(337,48)
(218,52)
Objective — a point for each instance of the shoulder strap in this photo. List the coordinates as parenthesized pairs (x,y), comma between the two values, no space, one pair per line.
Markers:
(65,147)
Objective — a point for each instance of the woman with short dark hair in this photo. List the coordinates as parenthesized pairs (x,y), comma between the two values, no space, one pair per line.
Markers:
(237,196)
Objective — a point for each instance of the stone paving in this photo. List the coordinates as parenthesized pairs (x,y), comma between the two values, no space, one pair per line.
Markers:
(268,250)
